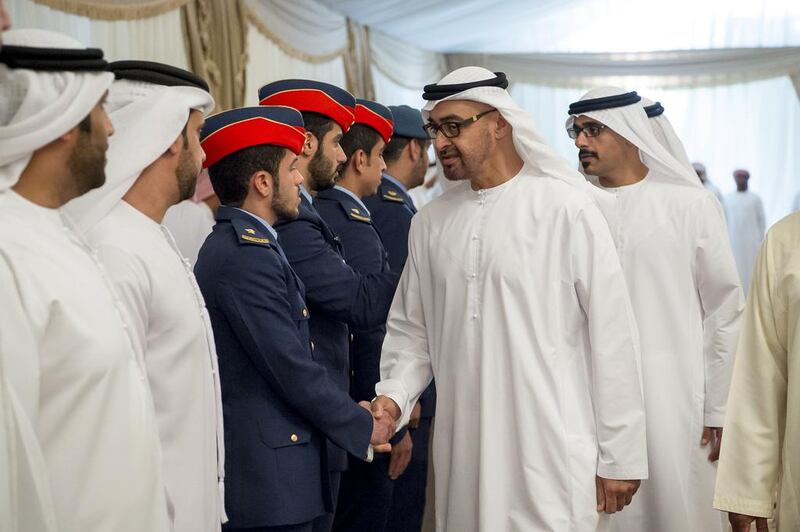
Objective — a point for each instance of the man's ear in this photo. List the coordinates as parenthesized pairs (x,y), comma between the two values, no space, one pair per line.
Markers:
(70,136)
(310,145)
(414,150)
(503,127)
(261,182)
(176,146)
(359,160)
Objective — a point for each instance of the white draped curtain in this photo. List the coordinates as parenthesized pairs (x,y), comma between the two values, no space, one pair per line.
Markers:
(268,62)
(400,70)
(305,38)
(666,69)
(157,38)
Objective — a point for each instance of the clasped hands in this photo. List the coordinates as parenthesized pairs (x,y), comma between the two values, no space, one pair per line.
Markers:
(384,422)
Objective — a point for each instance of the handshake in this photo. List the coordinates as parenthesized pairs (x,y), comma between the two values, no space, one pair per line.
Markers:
(385,414)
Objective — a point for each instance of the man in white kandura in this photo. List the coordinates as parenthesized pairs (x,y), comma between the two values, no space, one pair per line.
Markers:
(514,299)
(670,236)
(71,377)
(760,463)
(746,225)
(154,159)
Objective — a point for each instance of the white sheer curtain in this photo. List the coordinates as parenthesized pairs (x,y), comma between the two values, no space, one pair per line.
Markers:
(400,70)
(752,125)
(307,26)
(267,62)
(670,69)
(158,38)
(389,92)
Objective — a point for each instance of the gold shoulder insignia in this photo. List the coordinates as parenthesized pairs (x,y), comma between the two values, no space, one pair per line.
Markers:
(394,198)
(255,239)
(360,218)
(355,210)
(251,231)
(391,192)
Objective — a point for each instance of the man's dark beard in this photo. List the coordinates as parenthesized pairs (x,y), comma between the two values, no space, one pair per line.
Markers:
(321,172)
(87,164)
(186,175)
(279,205)
(419,173)
(581,153)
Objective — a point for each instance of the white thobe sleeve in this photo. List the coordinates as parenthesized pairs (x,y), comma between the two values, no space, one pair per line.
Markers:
(750,461)
(616,376)
(762,220)
(25,501)
(719,289)
(405,359)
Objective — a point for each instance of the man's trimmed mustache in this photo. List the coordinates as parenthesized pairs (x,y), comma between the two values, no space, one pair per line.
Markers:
(448,152)
(582,153)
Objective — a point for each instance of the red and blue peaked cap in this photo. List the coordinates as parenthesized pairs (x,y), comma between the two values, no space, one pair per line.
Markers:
(236,129)
(377,116)
(311,96)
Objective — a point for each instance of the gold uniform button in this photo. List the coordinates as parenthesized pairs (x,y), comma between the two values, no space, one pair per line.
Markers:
(312,345)
(294,438)
(305,312)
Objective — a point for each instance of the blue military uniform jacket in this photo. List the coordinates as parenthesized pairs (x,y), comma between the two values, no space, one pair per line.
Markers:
(363,251)
(278,402)
(392,209)
(338,296)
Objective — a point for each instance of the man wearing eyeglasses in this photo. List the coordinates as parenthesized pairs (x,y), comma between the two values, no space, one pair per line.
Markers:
(513,298)
(671,239)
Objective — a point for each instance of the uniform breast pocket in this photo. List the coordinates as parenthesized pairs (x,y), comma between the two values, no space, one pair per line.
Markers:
(278,433)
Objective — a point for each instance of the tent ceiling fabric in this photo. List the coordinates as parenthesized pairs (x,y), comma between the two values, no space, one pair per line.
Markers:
(446,26)
(586,26)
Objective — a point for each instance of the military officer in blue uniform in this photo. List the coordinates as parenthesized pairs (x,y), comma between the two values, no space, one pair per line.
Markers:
(391,209)
(406,157)
(366,489)
(338,296)
(279,403)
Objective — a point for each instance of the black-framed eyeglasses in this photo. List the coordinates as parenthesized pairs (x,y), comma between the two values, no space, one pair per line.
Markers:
(591,130)
(452,129)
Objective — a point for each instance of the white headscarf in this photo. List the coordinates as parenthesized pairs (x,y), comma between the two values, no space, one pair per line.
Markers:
(540,158)
(664,132)
(147,119)
(631,122)
(38,107)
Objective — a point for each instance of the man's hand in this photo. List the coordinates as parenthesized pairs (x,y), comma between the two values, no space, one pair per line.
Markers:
(713,436)
(416,415)
(383,427)
(401,456)
(741,523)
(614,495)
(382,405)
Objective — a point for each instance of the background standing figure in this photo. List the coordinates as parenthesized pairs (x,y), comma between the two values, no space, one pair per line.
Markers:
(746,225)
